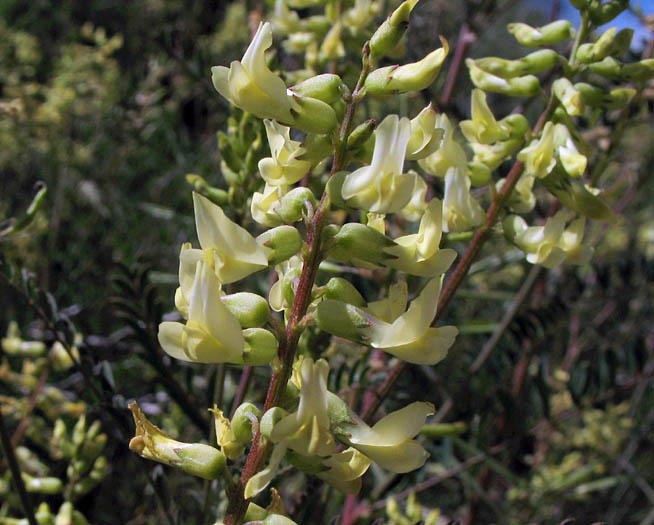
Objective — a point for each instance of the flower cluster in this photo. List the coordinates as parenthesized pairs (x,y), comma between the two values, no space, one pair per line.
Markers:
(310,127)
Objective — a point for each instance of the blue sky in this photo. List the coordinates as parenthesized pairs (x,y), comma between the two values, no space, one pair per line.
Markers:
(626,19)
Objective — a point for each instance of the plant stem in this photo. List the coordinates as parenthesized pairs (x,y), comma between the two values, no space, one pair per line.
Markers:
(288,346)
(462,268)
(8,451)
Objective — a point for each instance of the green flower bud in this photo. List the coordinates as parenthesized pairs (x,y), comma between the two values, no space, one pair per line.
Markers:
(242,422)
(573,194)
(325,87)
(409,77)
(44,515)
(254,513)
(512,225)
(215,195)
(283,241)
(45,485)
(360,245)
(493,155)
(317,148)
(332,47)
(639,71)
(278,519)
(547,35)
(609,44)
(597,97)
(313,115)
(250,309)
(340,289)
(527,86)
(260,346)
(296,205)
(531,64)
(343,320)
(334,187)
(388,34)
(152,443)
(79,432)
(270,419)
(361,134)
(318,24)
(569,97)
(516,124)
(604,12)
(608,68)
(479,173)
(14,345)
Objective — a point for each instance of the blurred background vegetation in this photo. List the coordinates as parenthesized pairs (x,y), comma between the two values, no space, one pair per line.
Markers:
(110,105)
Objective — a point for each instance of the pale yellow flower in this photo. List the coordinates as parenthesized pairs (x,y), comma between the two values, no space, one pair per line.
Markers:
(283,167)
(419,253)
(461,212)
(251,86)
(382,187)
(390,443)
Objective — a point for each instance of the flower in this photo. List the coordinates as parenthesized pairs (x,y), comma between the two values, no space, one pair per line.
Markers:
(553,244)
(212,334)
(151,442)
(385,325)
(461,212)
(382,187)
(307,430)
(425,136)
(419,253)
(345,470)
(390,443)
(449,154)
(283,167)
(483,128)
(539,155)
(235,254)
(250,85)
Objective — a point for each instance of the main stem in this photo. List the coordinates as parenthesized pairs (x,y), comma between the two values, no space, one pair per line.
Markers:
(260,451)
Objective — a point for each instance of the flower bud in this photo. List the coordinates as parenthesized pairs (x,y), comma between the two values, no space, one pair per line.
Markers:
(409,77)
(260,346)
(215,195)
(492,155)
(517,125)
(361,134)
(603,12)
(526,86)
(597,97)
(479,173)
(278,519)
(530,64)
(254,512)
(250,309)
(512,225)
(283,241)
(609,44)
(45,485)
(573,194)
(313,115)
(296,205)
(639,71)
(152,443)
(242,421)
(388,34)
(334,189)
(332,47)
(325,87)
(343,320)
(317,147)
(360,245)
(425,136)
(340,289)
(270,419)
(569,97)
(547,35)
